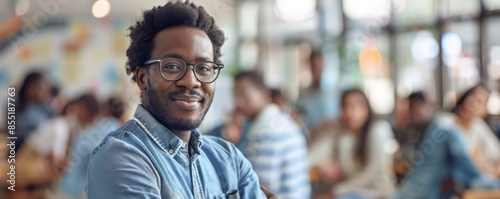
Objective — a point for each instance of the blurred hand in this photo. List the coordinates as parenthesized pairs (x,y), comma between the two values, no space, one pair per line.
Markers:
(323,196)
(59,166)
(322,128)
(232,132)
(269,194)
(329,171)
(488,167)
(233,128)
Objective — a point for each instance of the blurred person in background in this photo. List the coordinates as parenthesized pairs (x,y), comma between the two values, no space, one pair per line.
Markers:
(113,109)
(496,123)
(445,152)
(4,164)
(317,103)
(287,107)
(174,58)
(469,114)
(58,101)
(401,118)
(44,156)
(276,147)
(234,130)
(352,157)
(279,99)
(51,136)
(95,125)
(497,128)
(32,106)
(421,114)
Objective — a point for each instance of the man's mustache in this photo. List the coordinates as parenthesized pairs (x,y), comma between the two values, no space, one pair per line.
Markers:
(186,92)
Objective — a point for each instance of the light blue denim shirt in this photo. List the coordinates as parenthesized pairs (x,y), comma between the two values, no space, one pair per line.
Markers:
(143,159)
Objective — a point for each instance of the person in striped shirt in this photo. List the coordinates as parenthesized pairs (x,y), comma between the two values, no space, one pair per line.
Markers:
(276,146)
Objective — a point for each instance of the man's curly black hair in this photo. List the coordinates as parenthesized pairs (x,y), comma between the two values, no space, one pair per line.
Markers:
(169,15)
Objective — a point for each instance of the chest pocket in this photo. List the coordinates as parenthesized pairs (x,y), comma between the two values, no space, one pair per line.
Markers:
(233,194)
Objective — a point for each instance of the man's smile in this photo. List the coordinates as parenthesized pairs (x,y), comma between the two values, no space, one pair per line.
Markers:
(187,102)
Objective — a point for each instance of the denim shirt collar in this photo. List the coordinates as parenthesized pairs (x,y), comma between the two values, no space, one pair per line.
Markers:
(162,136)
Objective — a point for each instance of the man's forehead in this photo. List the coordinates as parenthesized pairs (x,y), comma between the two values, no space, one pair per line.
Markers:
(178,34)
(183,41)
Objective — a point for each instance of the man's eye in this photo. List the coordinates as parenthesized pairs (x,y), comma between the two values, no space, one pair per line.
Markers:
(204,68)
(171,67)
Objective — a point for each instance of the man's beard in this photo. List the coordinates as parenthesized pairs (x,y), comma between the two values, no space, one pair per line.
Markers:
(166,117)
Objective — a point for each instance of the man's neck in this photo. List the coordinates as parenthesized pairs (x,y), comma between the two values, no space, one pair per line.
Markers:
(183,135)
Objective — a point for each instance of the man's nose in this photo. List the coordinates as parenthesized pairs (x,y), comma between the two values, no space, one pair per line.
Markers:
(189,80)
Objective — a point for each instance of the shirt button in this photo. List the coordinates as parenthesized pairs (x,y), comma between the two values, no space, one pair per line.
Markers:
(171,151)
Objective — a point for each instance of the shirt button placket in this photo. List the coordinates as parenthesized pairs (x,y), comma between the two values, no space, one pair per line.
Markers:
(196,182)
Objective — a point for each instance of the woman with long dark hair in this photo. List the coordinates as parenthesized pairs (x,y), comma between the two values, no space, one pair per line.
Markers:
(32,107)
(481,143)
(358,159)
(447,148)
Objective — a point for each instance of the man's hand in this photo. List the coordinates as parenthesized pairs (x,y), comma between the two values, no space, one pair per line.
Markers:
(269,194)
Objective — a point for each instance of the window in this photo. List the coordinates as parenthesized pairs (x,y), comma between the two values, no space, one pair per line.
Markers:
(410,12)
(461,68)
(416,59)
(492,56)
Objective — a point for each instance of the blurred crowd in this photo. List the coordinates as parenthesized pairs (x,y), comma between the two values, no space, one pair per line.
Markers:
(55,137)
(295,147)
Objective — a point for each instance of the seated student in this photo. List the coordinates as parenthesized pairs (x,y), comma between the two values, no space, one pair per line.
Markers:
(44,156)
(278,98)
(95,127)
(420,116)
(318,104)
(234,130)
(421,113)
(32,106)
(442,154)
(276,146)
(352,156)
(481,142)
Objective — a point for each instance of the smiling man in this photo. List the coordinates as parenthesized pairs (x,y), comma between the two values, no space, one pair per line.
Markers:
(174,58)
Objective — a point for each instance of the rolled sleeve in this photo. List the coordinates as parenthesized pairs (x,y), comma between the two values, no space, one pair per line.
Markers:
(248,185)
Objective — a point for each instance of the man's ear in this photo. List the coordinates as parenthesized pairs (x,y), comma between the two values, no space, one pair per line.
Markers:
(141,78)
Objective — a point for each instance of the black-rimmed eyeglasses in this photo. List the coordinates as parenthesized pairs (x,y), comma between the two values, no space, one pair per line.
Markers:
(173,69)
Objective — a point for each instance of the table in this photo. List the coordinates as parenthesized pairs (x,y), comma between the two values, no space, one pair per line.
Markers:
(481,194)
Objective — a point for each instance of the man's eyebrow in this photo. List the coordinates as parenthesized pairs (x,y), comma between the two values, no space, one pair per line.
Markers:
(204,59)
(171,56)
(180,57)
